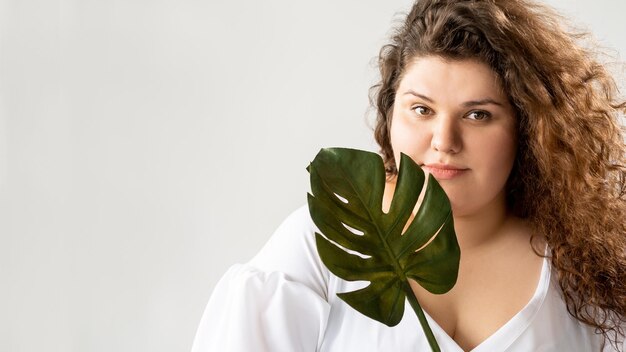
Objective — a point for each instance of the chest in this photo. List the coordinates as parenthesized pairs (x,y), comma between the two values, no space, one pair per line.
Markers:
(543,325)
(488,294)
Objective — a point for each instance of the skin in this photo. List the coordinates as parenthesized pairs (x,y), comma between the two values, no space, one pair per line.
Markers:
(453,118)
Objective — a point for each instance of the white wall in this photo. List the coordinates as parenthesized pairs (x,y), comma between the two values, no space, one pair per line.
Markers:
(145,146)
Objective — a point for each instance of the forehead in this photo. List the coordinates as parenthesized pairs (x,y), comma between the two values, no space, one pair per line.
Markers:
(452,79)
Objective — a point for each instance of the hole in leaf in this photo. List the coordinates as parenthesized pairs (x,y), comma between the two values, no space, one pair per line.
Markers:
(431,239)
(418,205)
(348,250)
(359,254)
(344,200)
(353,230)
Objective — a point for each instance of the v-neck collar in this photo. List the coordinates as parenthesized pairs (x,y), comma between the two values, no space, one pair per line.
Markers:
(504,337)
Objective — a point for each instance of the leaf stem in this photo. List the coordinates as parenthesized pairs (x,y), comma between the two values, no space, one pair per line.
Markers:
(432,341)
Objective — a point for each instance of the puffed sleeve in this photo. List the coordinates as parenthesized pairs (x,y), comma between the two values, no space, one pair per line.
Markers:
(276,302)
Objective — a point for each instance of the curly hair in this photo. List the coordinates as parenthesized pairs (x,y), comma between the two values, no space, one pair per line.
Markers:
(569,177)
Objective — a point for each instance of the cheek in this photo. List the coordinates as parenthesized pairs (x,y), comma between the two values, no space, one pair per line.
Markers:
(498,156)
(408,140)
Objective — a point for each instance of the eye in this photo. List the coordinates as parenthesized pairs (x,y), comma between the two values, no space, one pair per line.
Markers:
(422,110)
(478,115)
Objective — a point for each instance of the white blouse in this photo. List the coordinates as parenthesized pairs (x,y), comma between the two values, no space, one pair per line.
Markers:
(284,300)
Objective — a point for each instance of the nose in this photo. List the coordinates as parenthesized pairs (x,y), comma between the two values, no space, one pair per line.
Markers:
(446,136)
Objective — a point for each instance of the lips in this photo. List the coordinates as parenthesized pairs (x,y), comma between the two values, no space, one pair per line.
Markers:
(444,171)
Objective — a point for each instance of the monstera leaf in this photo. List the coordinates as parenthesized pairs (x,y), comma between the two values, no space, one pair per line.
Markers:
(361,242)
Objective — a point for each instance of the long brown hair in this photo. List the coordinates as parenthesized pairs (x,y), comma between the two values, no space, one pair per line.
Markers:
(569,179)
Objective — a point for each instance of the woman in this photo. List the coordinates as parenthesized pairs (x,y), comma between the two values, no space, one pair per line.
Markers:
(519,125)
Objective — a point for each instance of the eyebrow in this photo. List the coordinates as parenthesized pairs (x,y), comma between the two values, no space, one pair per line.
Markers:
(470,103)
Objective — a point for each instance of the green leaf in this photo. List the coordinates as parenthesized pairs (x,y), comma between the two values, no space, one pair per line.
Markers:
(347,189)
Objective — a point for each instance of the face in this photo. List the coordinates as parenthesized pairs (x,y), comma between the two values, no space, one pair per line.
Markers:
(453,118)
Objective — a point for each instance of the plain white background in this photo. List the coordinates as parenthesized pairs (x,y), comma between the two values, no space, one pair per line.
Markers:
(146,146)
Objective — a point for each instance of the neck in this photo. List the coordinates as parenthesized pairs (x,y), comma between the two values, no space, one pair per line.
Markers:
(483,227)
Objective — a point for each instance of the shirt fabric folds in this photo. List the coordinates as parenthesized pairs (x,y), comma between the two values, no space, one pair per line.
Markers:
(285,300)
